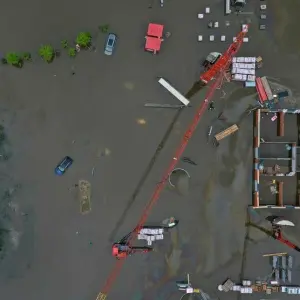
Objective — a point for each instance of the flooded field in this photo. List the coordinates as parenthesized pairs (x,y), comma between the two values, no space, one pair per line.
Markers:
(286,24)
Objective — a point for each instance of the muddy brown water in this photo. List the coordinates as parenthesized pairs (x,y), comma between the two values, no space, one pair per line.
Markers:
(286,15)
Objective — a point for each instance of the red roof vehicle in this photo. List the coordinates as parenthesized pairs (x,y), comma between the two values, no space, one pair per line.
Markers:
(154,37)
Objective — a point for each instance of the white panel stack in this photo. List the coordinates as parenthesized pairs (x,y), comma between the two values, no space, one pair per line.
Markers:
(246,290)
(150,238)
(151,231)
(247,283)
(243,68)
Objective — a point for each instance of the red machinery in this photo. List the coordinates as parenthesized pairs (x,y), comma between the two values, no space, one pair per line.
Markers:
(224,61)
(277,223)
(154,37)
(217,71)
(122,250)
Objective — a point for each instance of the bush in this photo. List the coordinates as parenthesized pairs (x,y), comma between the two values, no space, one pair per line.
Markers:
(26,56)
(104,28)
(47,53)
(72,52)
(4,61)
(64,44)
(14,59)
(84,39)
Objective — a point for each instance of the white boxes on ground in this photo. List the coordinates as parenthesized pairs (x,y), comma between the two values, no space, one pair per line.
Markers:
(244,59)
(244,65)
(246,283)
(151,231)
(236,288)
(246,290)
(243,68)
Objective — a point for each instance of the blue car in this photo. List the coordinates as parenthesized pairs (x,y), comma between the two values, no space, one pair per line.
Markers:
(63,166)
(110,44)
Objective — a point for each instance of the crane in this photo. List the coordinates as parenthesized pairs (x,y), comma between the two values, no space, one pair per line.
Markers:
(276,232)
(216,71)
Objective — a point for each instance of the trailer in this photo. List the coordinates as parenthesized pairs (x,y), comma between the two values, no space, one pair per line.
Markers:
(154,38)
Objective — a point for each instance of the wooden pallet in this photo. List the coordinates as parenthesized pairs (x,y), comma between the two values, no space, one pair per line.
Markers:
(230,130)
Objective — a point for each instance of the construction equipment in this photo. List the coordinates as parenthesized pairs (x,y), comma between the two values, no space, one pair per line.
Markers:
(277,223)
(154,38)
(211,59)
(187,287)
(276,233)
(216,71)
(223,63)
(150,233)
(121,250)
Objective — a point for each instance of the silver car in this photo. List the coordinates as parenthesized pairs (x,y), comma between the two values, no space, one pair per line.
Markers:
(110,44)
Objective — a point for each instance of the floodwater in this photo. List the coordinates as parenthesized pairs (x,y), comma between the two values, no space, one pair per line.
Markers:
(286,25)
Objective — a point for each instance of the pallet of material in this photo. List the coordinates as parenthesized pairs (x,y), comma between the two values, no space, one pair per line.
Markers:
(244,59)
(230,130)
(244,65)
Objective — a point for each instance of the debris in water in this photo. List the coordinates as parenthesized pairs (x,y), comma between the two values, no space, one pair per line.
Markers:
(107,152)
(141,121)
(84,196)
(189,161)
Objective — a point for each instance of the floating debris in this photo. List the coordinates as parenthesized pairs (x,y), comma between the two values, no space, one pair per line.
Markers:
(85,196)
(189,161)
(141,121)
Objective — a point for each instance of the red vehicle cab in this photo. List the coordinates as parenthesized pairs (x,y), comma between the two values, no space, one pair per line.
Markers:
(154,38)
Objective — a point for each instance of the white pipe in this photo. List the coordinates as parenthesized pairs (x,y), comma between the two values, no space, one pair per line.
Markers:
(227,7)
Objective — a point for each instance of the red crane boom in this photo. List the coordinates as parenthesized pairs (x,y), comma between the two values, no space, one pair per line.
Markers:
(216,71)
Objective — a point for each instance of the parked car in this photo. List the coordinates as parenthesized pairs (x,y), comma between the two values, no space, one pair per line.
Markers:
(63,166)
(110,44)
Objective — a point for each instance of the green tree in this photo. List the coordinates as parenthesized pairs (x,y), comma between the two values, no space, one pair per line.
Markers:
(14,59)
(84,39)
(26,56)
(72,52)
(47,53)
(104,28)
(64,44)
